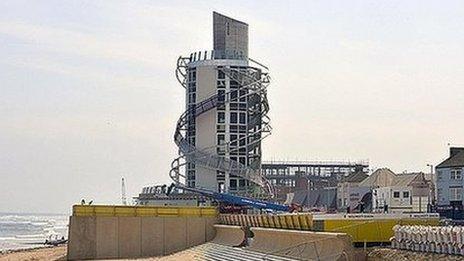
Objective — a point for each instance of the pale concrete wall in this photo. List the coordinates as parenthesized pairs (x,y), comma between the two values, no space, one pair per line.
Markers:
(82,238)
(175,237)
(152,236)
(205,125)
(132,237)
(196,231)
(107,243)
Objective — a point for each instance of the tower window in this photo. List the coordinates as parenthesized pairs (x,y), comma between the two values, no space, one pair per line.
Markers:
(233,117)
(221,74)
(233,139)
(242,118)
(220,139)
(221,117)
(221,95)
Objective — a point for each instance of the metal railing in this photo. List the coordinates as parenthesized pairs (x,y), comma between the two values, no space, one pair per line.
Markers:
(217,55)
(254,82)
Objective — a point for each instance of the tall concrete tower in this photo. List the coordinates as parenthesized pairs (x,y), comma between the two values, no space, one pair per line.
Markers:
(219,134)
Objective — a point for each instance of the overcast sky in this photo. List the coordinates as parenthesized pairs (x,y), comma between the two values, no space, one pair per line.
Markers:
(88,92)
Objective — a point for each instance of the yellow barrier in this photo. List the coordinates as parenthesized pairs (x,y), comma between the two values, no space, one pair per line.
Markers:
(298,221)
(143,211)
(372,230)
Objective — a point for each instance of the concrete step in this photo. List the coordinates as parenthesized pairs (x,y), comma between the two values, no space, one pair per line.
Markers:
(216,252)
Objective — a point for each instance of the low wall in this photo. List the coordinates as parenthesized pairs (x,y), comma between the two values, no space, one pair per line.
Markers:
(305,245)
(229,235)
(100,236)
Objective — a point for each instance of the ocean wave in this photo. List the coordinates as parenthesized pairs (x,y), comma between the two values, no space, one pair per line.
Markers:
(32,236)
(7,238)
(18,230)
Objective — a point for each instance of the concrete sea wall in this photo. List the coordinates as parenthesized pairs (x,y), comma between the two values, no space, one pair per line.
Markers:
(96,236)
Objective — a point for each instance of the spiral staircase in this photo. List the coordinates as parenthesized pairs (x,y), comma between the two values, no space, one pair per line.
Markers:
(254,81)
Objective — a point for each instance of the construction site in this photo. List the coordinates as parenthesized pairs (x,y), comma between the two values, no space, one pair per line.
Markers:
(226,203)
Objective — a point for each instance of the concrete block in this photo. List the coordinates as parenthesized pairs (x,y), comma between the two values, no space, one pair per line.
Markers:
(152,236)
(196,231)
(107,237)
(209,227)
(82,238)
(303,244)
(229,235)
(175,234)
(130,237)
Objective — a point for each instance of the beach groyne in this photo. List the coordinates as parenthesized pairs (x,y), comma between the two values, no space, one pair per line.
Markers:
(102,232)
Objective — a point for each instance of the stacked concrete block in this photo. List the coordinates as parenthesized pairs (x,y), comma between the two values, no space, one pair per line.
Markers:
(436,239)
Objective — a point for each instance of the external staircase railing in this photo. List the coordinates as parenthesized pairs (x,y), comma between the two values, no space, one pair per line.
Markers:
(253,83)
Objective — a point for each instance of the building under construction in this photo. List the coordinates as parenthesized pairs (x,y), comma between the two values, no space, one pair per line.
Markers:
(290,176)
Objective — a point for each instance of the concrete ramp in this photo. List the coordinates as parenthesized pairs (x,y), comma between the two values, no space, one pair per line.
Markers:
(304,245)
(229,235)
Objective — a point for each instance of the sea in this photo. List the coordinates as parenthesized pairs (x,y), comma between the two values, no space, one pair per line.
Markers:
(24,231)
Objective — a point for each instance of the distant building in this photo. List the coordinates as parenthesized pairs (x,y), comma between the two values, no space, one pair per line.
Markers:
(421,190)
(157,196)
(392,199)
(291,176)
(321,199)
(449,183)
(380,178)
(349,194)
(393,193)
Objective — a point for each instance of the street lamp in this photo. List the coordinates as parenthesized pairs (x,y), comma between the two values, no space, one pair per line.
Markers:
(432,187)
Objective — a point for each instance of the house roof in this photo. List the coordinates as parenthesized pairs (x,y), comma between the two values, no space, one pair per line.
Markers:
(381,177)
(455,160)
(404,180)
(356,177)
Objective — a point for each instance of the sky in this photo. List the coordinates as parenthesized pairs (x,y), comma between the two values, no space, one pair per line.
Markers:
(88,92)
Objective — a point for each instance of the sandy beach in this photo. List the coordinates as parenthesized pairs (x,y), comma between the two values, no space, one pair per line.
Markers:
(59,253)
(374,254)
(48,253)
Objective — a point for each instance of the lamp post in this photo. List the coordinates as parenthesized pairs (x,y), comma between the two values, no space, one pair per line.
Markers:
(432,188)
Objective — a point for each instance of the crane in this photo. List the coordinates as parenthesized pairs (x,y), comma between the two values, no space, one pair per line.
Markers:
(238,200)
(123,192)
